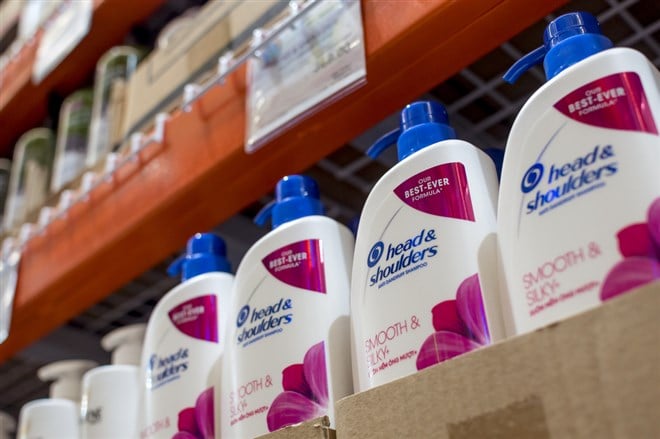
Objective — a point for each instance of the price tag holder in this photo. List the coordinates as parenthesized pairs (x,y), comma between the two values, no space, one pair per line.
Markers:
(318,60)
(61,36)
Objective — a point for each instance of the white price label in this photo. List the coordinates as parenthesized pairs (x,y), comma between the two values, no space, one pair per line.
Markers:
(320,58)
(61,36)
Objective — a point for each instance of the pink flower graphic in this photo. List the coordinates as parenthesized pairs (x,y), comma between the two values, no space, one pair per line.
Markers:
(305,394)
(639,245)
(460,326)
(197,422)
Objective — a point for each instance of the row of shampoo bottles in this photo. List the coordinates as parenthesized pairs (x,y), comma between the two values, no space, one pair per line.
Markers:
(87,401)
(276,338)
(58,416)
(586,141)
(242,357)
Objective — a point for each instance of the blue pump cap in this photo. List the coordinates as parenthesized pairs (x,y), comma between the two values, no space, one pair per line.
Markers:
(566,40)
(205,252)
(296,196)
(422,124)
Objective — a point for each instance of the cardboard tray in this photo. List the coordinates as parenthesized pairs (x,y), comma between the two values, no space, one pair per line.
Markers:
(315,429)
(596,375)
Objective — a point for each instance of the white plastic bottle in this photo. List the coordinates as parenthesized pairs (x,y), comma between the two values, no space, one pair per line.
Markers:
(56,417)
(184,344)
(579,205)
(111,394)
(415,293)
(287,358)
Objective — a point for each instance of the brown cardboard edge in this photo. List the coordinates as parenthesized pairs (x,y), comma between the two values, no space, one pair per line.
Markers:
(316,428)
(616,331)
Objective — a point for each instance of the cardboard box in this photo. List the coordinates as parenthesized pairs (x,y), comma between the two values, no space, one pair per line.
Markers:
(250,15)
(159,79)
(158,83)
(315,429)
(596,375)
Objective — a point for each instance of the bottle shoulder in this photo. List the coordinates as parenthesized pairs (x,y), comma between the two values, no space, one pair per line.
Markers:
(607,62)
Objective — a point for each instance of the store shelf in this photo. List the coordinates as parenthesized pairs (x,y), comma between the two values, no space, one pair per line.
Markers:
(200,175)
(23,104)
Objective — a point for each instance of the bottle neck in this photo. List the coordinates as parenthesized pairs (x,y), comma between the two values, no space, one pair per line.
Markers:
(419,137)
(573,50)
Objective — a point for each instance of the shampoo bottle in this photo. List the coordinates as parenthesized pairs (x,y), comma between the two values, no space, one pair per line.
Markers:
(415,293)
(110,394)
(184,343)
(56,417)
(579,205)
(287,358)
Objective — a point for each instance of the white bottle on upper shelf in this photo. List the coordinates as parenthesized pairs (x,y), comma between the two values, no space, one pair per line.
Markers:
(111,394)
(287,357)
(56,417)
(415,293)
(184,343)
(579,203)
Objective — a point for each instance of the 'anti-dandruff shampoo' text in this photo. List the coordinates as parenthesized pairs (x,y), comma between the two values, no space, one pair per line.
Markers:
(287,357)
(579,208)
(184,345)
(415,293)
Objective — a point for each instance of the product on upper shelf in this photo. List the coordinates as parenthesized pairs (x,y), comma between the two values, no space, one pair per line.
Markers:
(117,64)
(7,425)
(415,294)
(579,207)
(189,55)
(159,81)
(30,175)
(72,134)
(184,344)
(287,358)
(111,394)
(58,416)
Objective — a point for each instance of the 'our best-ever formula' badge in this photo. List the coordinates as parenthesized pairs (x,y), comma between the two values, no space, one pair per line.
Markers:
(441,190)
(616,101)
(299,264)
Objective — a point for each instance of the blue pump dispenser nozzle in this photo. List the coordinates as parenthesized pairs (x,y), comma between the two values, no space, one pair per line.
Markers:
(567,40)
(296,196)
(205,252)
(422,124)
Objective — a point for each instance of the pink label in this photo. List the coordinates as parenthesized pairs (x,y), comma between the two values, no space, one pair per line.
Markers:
(441,190)
(299,264)
(616,101)
(197,318)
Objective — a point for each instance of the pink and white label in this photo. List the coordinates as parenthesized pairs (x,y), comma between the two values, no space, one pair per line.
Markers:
(299,264)
(197,318)
(616,101)
(441,190)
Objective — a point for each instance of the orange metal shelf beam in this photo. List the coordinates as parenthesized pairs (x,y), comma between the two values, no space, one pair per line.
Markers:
(23,104)
(200,176)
